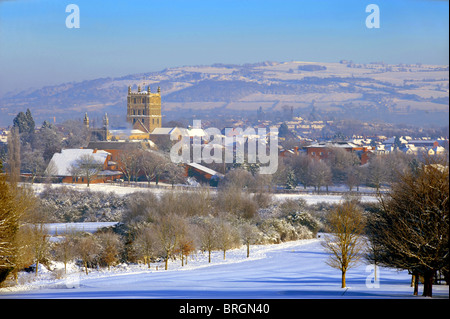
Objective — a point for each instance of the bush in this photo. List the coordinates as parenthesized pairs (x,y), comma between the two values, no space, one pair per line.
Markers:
(63,204)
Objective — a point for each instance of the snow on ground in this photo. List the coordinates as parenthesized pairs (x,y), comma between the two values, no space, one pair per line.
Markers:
(124,190)
(90,227)
(291,270)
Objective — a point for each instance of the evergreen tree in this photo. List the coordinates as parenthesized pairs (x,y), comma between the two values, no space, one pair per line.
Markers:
(291,180)
(25,123)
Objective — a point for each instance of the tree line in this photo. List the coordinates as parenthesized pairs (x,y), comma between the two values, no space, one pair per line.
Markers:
(407,230)
(343,168)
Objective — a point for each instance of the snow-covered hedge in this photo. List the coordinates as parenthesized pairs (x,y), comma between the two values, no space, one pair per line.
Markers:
(67,205)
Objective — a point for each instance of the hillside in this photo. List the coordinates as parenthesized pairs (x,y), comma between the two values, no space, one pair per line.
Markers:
(392,93)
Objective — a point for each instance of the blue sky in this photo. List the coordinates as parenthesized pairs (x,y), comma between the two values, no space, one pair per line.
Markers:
(122,37)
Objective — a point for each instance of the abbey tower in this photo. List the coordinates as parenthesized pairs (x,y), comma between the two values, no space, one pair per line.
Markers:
(144,109)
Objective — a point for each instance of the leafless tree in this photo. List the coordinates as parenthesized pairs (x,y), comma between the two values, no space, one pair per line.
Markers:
(377,172)
(342,162)
(227,236)
(173,173)
(149,164)
(345,241)
(145,244)
(208,235)
(88,250)
(32,162)
(110,248)
(319,174)
(169,230)
(249,235)
(300,165)
(129,163)
(64,250)
(86,166)
(40,244)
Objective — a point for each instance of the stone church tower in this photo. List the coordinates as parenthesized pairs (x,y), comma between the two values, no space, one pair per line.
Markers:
(144,109)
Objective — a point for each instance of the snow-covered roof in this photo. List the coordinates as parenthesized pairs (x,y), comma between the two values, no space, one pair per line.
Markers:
(333,144)
(61,163)
(162,130)
(195,132)
(126,132)
(204,169)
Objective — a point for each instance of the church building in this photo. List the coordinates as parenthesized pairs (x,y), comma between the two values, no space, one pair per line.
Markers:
(144,109)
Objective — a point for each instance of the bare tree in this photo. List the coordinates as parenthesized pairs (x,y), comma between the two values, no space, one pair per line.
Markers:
(249,235)
(129,163)
(173,173)
(88,250)
(41,245)
(186,243)
(319,174)
(169,230)
(86,166)
(150,163)
(64,250)
(412,224)
(342,162)
(208,236)
(33,163)
(300,165)
(110,248)
(377,172)
(227,236)
(345,242)
(145,244)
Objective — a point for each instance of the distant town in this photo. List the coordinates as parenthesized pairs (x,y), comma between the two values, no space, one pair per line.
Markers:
(77,152)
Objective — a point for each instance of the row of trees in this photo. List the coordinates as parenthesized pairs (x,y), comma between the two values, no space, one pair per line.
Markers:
(408,230)
(342,168)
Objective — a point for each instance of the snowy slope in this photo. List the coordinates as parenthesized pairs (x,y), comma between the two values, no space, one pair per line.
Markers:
(289,270)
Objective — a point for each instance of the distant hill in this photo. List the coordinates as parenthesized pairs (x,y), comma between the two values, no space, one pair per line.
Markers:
(391,93)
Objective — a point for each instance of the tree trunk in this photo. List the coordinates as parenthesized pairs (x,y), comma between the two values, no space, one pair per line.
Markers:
(166,262)
(428,284)
(248,250)
(415,283)
(209,256)
(343,279)
(224,251)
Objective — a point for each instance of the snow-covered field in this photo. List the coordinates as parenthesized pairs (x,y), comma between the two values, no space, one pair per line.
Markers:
(124,190)
(292,270)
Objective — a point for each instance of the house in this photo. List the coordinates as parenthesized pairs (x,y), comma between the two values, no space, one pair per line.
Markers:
(322,150)
(62,165)
(203,173)
(168,133)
